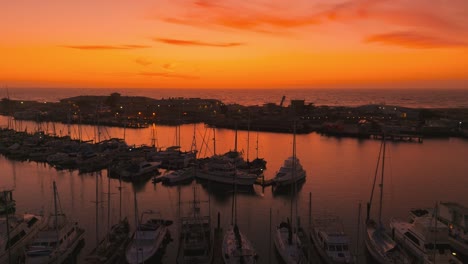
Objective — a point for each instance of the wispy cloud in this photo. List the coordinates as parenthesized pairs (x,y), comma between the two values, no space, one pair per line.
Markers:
(143,61)
(105,47)
(182,42)
(168,75)
(414,40)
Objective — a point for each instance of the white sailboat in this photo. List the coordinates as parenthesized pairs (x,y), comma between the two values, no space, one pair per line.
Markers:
(286,238)
(380,245)
(57,240)
(236,246)
(111,247)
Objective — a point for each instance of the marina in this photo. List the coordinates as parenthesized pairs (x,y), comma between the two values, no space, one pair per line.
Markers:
(335,177)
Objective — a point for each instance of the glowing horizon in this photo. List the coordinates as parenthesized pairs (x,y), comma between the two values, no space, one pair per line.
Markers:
(231,44)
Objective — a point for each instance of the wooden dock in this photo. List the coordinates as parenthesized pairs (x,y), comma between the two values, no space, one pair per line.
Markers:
(399,137)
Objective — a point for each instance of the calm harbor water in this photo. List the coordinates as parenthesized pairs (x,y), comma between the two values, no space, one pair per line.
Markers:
(339,175)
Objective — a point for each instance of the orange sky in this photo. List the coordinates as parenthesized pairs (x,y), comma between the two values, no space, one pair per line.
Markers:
(234,44)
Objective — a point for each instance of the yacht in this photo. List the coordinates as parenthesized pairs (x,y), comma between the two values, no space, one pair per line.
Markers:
(426,238)
(137,171)
(219,169)
(146,240)
(57,241)
(21,230)
(331,241)
(291,172)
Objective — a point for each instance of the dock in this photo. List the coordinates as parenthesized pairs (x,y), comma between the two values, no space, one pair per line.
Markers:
(399,137)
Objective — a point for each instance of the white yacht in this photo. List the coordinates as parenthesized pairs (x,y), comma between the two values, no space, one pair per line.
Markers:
(135,172)
(21,230)
(331,241)
(219,169)
(290,172)
(56,241)
(456,217)
(146,240)
(426,238)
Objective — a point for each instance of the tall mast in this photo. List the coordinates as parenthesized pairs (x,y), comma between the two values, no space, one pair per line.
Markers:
(97,212)
(248,138)
(55,208)
(214,141)
(382,182)
(7,208)
(108,203)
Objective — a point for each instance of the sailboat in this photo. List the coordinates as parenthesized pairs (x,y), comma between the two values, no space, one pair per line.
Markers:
(236,246)
(379,244)
(196,237)
(286,238)
(112,246)
(57,241)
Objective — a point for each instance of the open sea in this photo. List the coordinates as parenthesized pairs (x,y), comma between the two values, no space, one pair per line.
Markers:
(418,98)
(340,171)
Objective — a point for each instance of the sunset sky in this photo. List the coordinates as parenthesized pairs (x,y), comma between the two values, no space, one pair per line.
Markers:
(234,44)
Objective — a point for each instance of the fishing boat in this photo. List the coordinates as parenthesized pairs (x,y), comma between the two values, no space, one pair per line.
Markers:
(196,237)
(15,232)
(380,245)
(426,238)
(57,241)
(286,237)
(330,240)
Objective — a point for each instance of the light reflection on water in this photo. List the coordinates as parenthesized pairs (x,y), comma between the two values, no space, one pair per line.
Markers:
(339,176)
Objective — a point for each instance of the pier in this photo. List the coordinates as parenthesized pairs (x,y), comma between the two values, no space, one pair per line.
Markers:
(398,137)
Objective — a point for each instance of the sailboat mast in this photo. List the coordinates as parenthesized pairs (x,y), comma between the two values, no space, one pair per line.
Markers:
(248,138)
(235,139)
(214,141)
(382,182)
(97,212)
(7,208)
(293,185)
(108,203)
(55,208)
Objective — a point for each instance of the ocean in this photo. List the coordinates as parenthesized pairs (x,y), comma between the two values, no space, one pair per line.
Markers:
(417,98)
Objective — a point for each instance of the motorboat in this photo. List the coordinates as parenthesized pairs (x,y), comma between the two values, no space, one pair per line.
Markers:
(57,241)
(146,240)
(288,244)
(178,176)
(22,228)
(219,169)
(330,240)
(137,171)
(455,216)
(426,238)
(290,172)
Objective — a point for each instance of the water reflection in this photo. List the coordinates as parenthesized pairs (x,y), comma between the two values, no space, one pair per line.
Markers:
(339,176)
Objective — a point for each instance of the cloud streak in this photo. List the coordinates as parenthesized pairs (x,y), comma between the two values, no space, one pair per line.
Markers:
(143,61)
(105,47)
(414,40)
(168,75)
(181,42)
